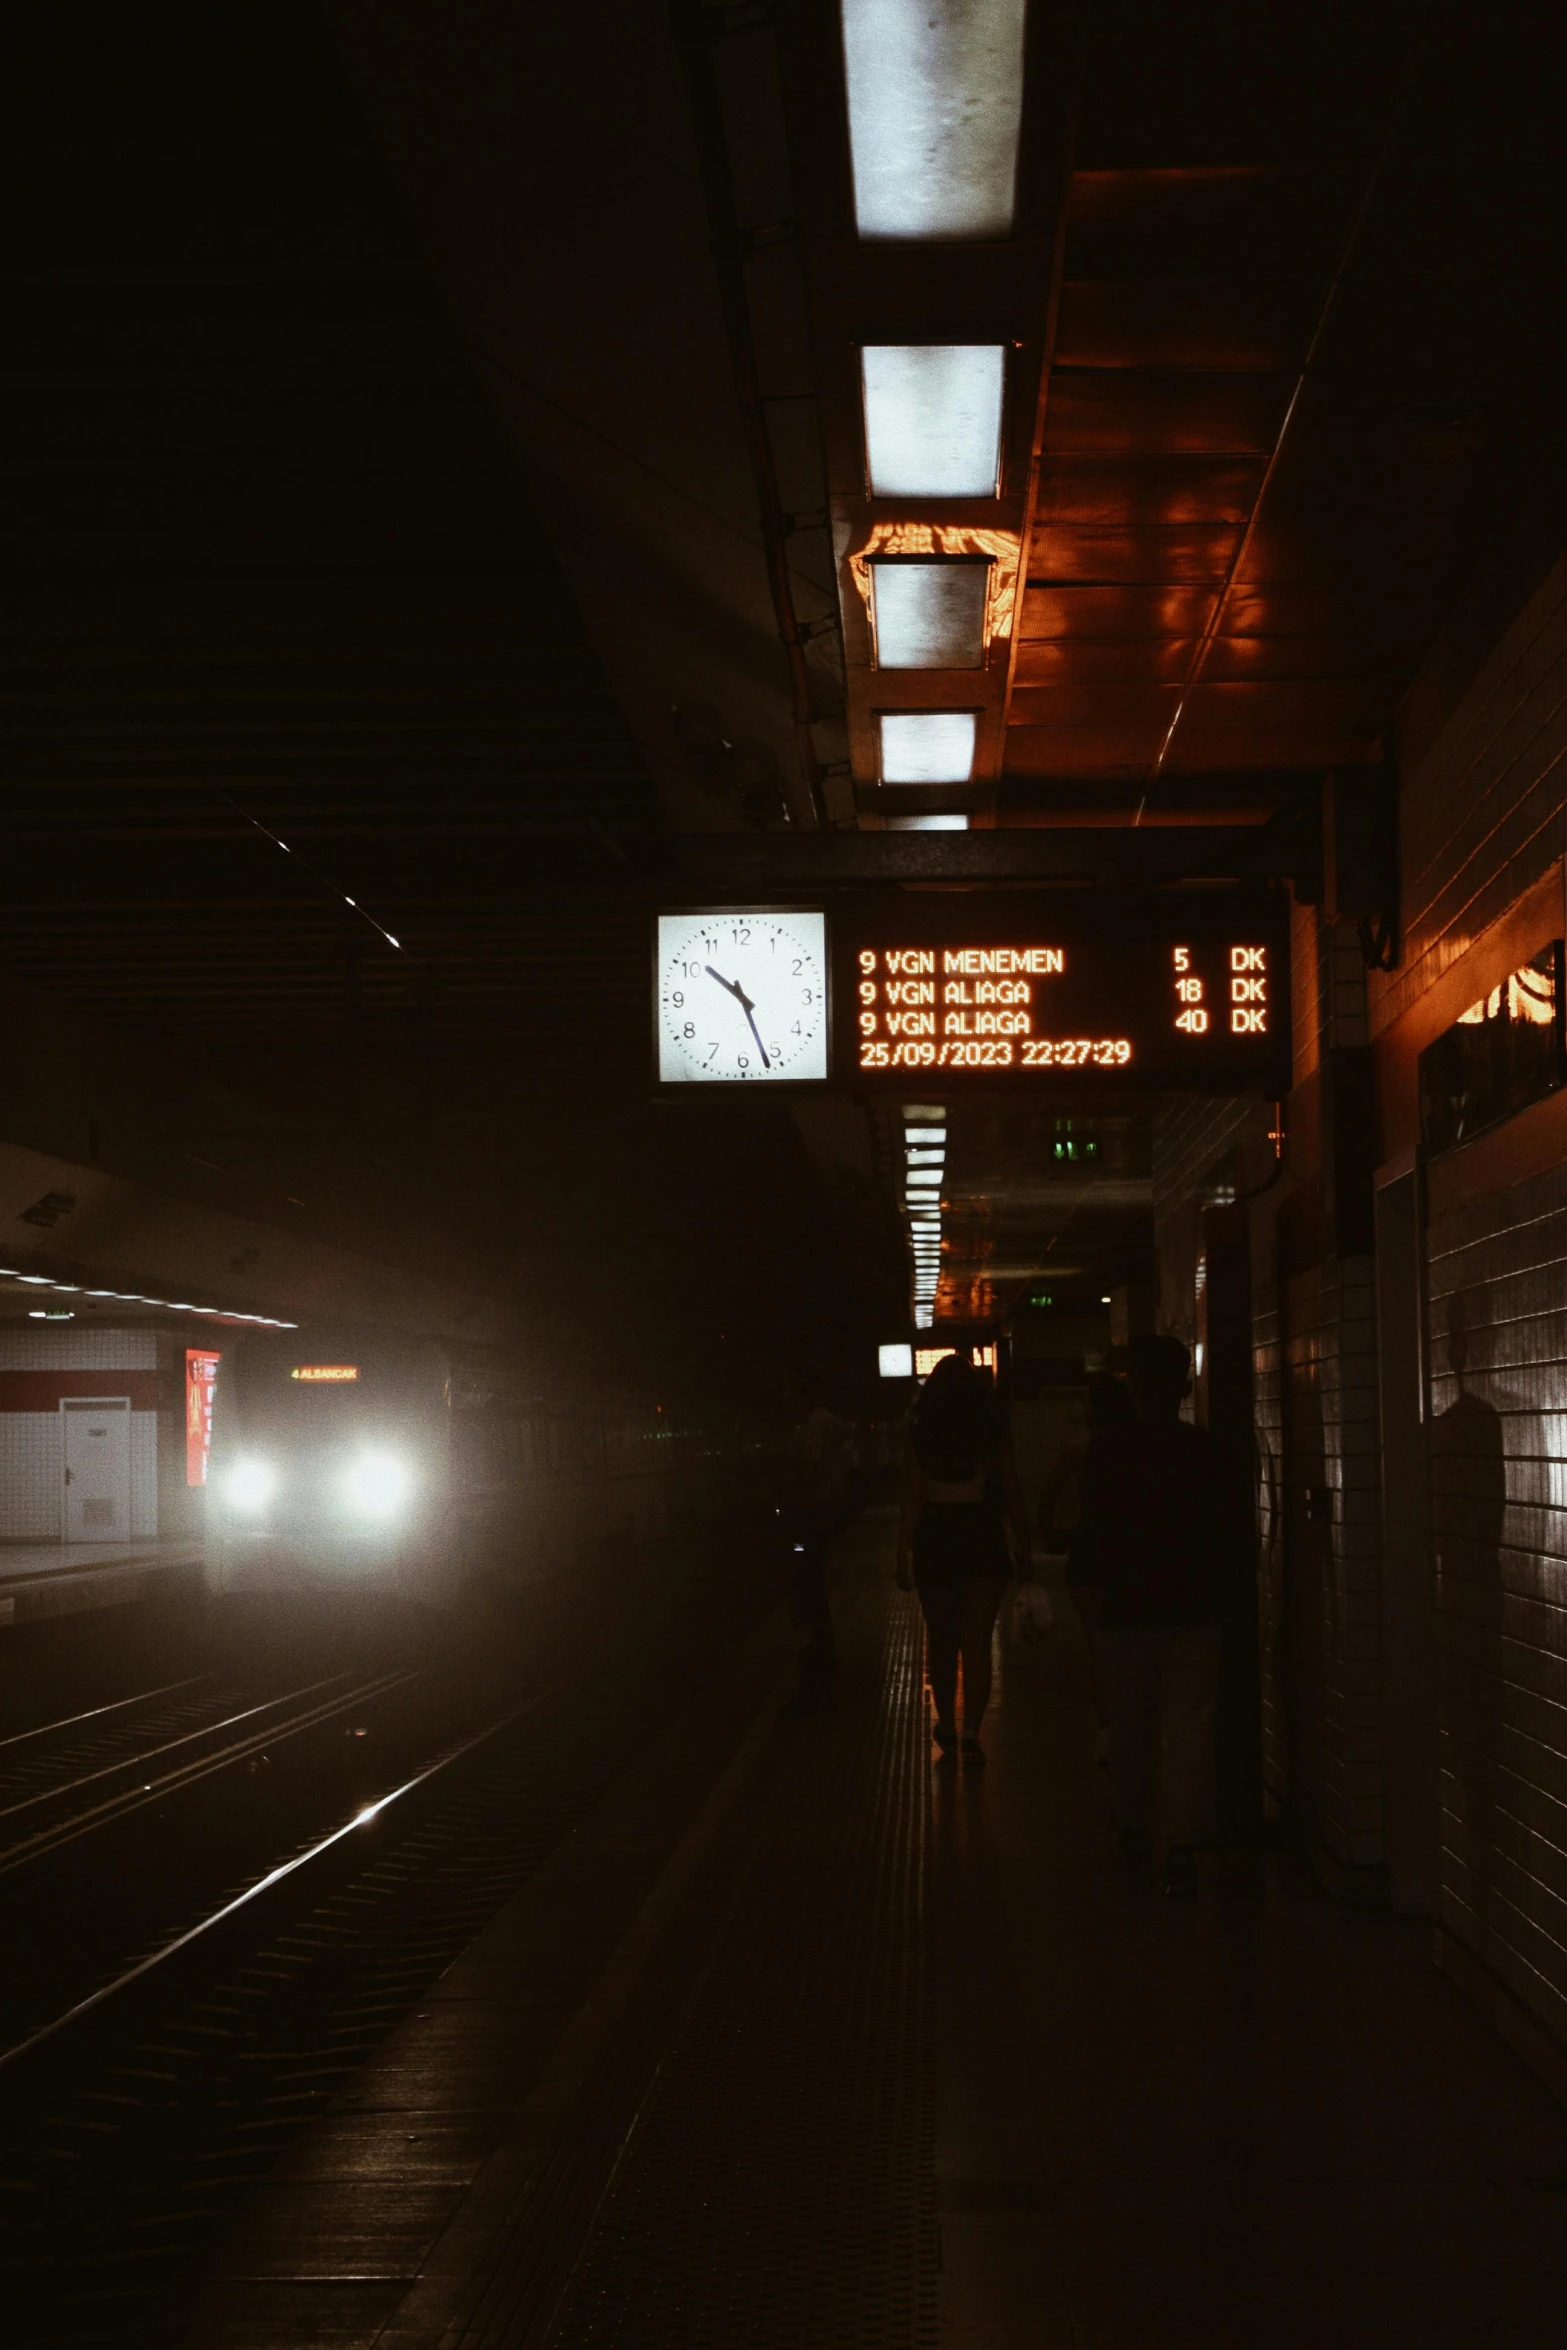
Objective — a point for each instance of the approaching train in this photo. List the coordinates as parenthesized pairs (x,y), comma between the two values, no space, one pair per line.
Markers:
(346,1460)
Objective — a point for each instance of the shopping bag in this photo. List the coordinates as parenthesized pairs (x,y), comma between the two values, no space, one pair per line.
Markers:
(1033,1614)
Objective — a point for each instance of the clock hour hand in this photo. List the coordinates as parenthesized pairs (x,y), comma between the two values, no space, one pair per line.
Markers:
(746,1005)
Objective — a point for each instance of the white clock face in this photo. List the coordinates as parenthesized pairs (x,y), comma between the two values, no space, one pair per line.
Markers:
(741,998)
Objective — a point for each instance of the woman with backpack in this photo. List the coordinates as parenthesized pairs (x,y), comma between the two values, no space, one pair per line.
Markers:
(961,1501)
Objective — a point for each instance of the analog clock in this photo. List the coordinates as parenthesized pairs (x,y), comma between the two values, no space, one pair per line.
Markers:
(741,997)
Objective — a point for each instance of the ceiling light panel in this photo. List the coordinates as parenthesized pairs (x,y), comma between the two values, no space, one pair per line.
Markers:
(927,824)
(927,746)
(935,108)
(933,418)
(930,615)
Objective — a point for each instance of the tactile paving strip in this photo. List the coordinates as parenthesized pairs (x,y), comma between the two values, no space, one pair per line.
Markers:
(777,2188)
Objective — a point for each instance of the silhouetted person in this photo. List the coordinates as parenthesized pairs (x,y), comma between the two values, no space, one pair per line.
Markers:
(1469,1458)
(961,1498)
(1154,1515)
(1109,1403)
(821,1470)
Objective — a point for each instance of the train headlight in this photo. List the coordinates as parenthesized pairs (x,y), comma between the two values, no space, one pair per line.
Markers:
(377,1485)
(249,1486)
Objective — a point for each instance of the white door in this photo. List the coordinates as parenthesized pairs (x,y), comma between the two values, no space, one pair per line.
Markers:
(97,1450)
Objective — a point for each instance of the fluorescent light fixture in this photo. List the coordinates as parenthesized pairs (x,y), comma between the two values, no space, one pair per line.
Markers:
(927,746)
(36,1280)
(924,1134)
(930,615)
(895,1362)
(927,824)
(935,109)
(924,1146)
(933,418)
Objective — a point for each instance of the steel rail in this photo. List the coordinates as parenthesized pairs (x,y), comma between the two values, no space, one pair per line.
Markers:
(96,1712)
(364,1817)
(47,1840)
(151,1753)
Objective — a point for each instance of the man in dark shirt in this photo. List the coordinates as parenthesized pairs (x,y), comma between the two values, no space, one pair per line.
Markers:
(1152,1509)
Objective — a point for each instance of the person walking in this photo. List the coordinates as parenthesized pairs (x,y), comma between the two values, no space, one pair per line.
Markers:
(1108,1403)
(961,1498)
(1152,1509)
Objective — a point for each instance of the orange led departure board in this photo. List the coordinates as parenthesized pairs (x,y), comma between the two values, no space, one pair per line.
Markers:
(1174,989)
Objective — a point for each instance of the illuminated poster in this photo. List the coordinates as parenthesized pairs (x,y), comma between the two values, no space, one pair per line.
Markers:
(201,1371)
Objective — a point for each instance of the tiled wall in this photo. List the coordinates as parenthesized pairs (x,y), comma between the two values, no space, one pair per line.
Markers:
(30,1457)
(1498,1472)
(1272,1585)
(31,1489)
(1483,815)
(1483,804)
(1324,1693)
(74,1349)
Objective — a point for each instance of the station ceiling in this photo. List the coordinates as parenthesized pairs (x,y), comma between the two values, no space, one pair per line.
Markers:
(383,479)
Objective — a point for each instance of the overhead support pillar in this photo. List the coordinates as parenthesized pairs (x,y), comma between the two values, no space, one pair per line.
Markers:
(1360,855)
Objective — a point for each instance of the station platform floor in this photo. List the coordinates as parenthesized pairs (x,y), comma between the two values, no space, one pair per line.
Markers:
(43,1579)
(808,2040)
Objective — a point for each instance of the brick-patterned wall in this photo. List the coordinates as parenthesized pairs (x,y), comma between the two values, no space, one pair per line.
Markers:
(63,1348)
(72,1359)
(1483,799)
(1498,1468)
(1268,1423)
(1326,1606)
(32,1492)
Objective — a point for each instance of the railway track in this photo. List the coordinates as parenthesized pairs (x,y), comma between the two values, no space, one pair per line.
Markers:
(79,1784)
(134,2113)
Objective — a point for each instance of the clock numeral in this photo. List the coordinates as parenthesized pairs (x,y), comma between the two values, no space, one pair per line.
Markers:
(689,1028)
(677,998)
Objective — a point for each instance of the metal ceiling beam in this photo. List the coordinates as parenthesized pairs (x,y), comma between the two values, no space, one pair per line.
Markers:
(1088,855)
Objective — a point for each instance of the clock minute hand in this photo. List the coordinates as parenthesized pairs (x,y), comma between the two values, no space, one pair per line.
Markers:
(746,1005)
